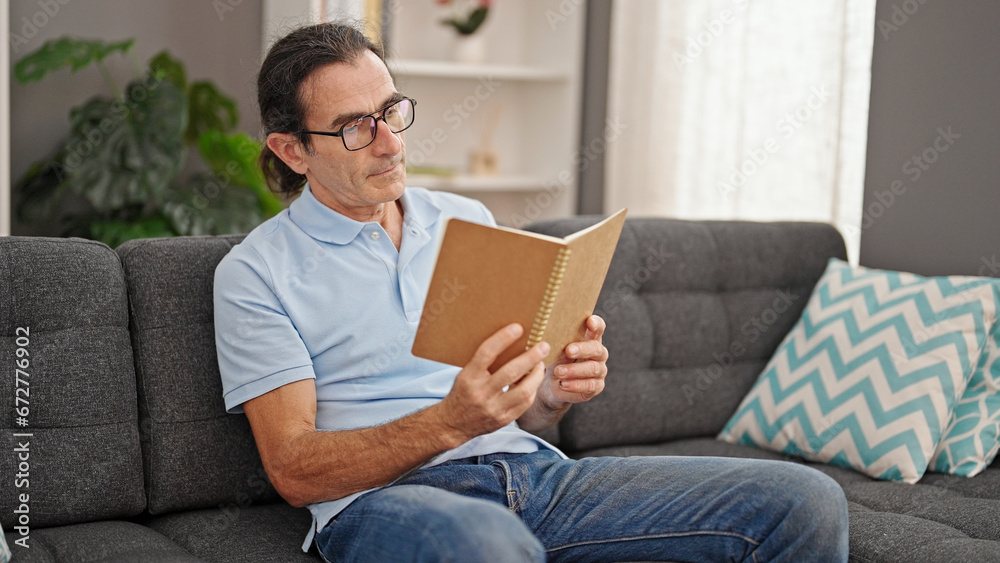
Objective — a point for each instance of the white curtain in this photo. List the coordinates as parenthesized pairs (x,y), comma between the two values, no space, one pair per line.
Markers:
(741,109)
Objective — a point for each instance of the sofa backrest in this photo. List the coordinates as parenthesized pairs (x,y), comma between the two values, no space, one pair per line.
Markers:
(195,454)
(694,311)
(64,324)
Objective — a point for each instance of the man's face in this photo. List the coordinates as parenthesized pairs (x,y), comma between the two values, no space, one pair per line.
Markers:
(337,94)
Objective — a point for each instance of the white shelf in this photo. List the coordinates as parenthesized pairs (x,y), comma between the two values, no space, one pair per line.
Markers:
(467,183)
(524,104)
(447,69)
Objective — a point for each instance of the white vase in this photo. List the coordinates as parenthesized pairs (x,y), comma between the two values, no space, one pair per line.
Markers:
(469,49)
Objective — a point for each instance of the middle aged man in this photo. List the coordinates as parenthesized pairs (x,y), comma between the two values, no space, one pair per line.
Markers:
(401,458)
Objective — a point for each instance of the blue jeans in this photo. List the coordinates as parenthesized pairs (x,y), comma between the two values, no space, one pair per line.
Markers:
(538,507)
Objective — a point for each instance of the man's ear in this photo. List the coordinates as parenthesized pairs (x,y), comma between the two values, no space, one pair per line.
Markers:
(288,148)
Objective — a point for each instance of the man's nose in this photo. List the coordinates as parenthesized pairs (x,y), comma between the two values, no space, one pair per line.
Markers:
(386,142)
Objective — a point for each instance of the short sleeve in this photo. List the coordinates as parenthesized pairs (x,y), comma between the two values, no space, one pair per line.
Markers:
(259,348)
(487,216)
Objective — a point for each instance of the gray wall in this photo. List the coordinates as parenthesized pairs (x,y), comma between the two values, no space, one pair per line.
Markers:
(222,47)
(934,69)
(595,103)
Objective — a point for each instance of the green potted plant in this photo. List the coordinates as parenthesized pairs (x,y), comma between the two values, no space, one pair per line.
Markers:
(466,17)
(118,174)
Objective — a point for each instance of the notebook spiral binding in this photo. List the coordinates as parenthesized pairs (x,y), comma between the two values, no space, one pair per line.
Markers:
(548,300)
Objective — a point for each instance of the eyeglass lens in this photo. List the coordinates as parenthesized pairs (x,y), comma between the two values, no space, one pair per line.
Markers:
(398,116)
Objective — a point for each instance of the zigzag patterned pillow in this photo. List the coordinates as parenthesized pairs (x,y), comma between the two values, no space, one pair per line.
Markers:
(869,375)
(972,438)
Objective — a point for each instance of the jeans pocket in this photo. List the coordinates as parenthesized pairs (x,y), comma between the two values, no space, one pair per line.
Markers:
(502,469)
(322,539)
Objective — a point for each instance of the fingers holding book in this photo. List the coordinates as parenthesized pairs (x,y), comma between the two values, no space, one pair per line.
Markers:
(481,401)
(578,375)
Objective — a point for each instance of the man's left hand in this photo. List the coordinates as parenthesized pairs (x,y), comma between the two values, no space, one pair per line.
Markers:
(578,375)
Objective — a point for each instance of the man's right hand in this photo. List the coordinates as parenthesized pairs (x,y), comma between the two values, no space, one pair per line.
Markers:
(481,402)
(307,466)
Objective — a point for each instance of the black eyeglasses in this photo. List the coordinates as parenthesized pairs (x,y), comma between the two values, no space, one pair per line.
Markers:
(360,133)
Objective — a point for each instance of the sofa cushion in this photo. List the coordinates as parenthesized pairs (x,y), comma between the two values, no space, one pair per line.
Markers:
(195,454)
(869,376)
(972,438)
(65,300)
(270,532)
(943,518)
(694,309)
(104,542)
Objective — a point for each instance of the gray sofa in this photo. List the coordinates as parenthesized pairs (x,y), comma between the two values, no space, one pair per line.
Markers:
(132,456)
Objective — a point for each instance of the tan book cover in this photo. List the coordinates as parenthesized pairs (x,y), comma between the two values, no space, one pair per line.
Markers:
(488,277)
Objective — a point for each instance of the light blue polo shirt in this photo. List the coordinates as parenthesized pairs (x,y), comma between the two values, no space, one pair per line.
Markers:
(312,294)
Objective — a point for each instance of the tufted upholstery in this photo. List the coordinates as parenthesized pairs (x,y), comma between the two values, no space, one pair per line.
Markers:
(675,375)
(694,310)
(203,472)
(83,461)
(195,454)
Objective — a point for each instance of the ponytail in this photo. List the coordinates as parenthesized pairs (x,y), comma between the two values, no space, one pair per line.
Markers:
(280,178)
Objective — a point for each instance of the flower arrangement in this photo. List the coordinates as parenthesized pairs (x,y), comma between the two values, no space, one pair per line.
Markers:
(467,16)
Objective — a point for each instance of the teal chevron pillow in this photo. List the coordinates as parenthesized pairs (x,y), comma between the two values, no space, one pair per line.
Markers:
(869,376)
(972,438)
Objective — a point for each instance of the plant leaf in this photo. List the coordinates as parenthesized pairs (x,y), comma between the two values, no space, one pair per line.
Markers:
(209,109)
(60,53)
(37,192)
(113,232)
(470,24)
(206,205)
(233,158)
(124,152)
(164,66)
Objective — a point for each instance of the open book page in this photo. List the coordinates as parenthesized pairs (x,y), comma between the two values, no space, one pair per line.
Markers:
(590,256)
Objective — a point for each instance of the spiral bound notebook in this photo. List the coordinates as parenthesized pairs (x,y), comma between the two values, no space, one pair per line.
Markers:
(488,277)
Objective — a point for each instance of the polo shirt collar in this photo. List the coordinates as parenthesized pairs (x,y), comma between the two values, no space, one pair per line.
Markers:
(323,223)
(419,210)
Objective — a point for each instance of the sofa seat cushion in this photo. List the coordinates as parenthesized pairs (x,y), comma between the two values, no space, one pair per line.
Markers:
(270,532)
(944,518)
(105,542)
